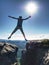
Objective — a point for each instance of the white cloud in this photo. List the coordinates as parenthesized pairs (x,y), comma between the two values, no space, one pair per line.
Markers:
(29,36)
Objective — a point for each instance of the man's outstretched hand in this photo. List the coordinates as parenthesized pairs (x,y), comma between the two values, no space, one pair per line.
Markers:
(9,16)
(29,16)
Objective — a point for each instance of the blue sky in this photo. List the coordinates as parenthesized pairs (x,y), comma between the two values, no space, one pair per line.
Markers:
(37,24)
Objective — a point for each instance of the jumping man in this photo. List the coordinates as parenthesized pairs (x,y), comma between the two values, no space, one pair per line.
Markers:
(19,25)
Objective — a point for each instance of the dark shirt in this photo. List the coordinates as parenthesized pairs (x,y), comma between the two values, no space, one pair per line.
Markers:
(19,23)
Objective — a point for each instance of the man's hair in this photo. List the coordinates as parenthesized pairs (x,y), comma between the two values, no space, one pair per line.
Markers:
(20,16)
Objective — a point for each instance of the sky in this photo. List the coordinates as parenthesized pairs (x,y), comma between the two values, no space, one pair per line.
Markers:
(35,27)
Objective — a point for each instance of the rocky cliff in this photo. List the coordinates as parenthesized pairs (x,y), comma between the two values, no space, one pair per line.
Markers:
(8,54)
(36,53)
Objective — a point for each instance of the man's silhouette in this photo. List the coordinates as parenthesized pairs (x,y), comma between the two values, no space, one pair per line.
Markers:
(19,25)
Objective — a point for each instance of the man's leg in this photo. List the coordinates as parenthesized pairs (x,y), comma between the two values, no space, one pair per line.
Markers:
(23,33)
(13,32)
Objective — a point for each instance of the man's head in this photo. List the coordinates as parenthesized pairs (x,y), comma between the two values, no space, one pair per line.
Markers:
(20,17)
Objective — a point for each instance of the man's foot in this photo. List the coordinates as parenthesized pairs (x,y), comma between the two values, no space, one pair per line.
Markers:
(26,39)
(9,37)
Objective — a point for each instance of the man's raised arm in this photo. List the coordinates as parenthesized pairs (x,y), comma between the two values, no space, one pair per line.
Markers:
(27,18)
(12,17)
